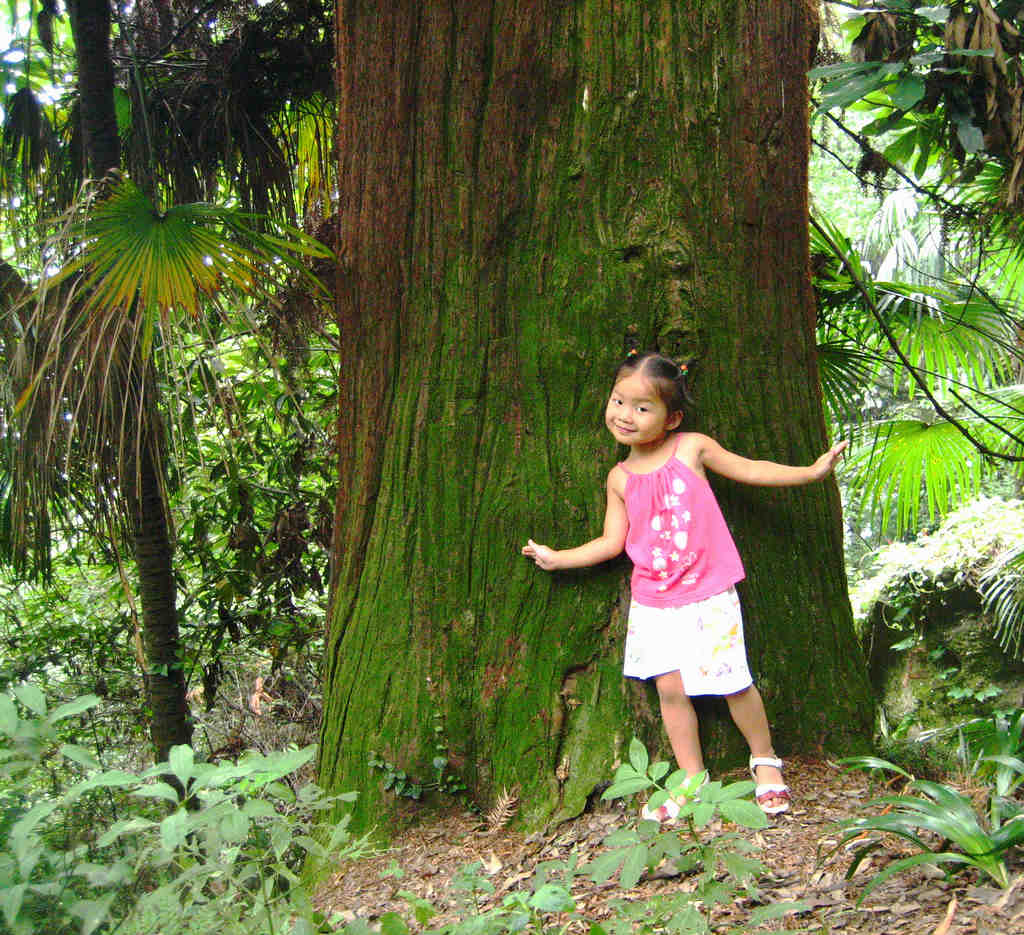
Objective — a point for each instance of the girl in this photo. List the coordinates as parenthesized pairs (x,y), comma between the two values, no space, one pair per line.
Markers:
(685,630)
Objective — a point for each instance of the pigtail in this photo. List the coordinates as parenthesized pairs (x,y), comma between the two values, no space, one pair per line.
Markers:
(682,380)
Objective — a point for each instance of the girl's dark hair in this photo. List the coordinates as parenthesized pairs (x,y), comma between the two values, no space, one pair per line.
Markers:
(667,377)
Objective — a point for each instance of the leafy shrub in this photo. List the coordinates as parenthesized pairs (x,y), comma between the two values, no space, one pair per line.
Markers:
(224,855)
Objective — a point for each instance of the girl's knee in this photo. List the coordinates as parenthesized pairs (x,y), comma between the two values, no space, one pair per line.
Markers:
(671,690)
(673,696)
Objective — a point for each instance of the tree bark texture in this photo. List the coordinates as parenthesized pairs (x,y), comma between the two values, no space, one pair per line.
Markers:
(528,189)
(90,26)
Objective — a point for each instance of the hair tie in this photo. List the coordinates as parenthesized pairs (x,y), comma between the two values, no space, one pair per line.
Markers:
(683,369)
(632,352)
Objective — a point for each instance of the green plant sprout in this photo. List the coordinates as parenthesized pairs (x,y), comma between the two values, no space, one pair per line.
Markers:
(398,781)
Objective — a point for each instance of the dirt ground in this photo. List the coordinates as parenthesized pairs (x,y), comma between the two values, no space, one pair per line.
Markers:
(798,849)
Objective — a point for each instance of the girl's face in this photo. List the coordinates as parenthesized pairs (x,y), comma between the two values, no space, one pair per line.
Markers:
(635,414)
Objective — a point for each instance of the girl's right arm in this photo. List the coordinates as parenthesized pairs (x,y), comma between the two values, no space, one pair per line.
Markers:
(609,544)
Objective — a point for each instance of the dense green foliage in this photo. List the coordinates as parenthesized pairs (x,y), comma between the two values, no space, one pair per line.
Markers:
(107,849)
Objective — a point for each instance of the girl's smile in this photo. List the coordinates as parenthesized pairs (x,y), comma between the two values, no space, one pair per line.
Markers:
(635,415)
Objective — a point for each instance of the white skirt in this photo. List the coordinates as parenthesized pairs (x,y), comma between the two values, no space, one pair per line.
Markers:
(703,641)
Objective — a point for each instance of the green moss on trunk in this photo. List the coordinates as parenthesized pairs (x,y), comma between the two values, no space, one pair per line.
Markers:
(527,191)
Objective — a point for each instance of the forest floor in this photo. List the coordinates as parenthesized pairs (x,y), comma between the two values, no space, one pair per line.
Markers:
(798,848)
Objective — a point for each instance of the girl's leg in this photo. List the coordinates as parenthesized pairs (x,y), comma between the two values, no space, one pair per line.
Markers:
(680,722)
(747,710)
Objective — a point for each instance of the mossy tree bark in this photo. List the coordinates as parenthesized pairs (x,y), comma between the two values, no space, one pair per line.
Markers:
(528,189)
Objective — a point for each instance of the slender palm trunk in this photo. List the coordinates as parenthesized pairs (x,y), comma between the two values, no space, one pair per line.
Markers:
(143,465)
(165,682)
(90,25)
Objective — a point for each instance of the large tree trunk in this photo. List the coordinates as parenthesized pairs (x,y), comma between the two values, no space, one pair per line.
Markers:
(142,464)
(527,190)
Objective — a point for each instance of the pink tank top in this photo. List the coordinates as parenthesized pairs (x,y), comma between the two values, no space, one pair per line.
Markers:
(681,549)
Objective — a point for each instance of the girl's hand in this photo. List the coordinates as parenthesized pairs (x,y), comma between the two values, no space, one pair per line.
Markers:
(543,556)
(827,462)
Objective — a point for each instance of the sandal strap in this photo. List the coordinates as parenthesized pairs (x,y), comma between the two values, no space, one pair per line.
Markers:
(772,789)
(756,761)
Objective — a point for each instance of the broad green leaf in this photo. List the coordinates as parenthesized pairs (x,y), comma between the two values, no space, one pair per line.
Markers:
(258,808)
(75,706)
(10,901)
(761,914)
(901,149)
(618,790)
(841,70)
(25,825)
(603,868)
(907,91)
(741,867)
(108,779)
(126,826)
(970,137)
(181,760)
(735,790)
(633,867)
(79,755)
(158,790)
(658,770)
(9,719)
(621,837)
(92,912)
(234,826)
(702,812)
(552,897)
(638,756)
(422,910)
(841,92)
(744,813)
(391,923)
(174,830)
(32,697)
(657,799)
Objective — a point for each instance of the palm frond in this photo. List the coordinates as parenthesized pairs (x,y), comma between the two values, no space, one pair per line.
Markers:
(82,380)
(1002,592)
(947,338)
(127,252)
(906,460)
(845,370)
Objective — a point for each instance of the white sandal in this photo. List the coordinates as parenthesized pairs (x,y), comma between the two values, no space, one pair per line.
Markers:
(769,790)
(669,811)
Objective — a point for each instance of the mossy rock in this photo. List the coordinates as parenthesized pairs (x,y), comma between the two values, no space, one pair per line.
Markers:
(955,670)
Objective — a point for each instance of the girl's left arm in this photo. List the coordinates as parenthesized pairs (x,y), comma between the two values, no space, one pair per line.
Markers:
(767,473)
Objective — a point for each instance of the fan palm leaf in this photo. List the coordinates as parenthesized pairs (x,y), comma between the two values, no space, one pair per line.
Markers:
(945,337)
(134,280)
(905,464)
(178,259)
(900,458)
